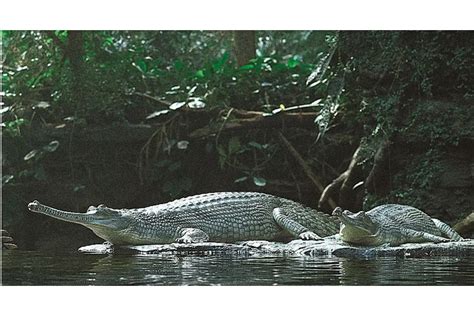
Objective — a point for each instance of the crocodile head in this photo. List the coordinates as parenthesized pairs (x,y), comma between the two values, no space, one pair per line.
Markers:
(357,228)
(105,222)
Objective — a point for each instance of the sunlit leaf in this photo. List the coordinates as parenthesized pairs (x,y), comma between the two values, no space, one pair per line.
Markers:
(7,178)
(183,144)
(157,113)
(292,63)
(52,146)
(322,66)
(261,182)
(191,91)
(200,74)
(196,103)
(177,105)
(31,154)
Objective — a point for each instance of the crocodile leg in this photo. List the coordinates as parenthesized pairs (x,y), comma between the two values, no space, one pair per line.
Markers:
(446,230)
(417,236)
(192,235)
(293,227)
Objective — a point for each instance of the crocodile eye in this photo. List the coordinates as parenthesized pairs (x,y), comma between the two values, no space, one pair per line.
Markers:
(102,206)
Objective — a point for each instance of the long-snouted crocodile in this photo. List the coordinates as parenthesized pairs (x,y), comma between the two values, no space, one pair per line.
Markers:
(392,224)
(220,217)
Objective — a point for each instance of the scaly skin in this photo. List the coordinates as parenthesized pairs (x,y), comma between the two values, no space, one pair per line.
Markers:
(219,217)
(392,224)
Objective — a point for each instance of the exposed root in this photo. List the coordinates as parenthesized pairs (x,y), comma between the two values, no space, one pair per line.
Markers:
(306,169)
(343,187)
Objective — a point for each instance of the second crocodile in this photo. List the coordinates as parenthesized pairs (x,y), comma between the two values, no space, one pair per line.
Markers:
(220,217)
(392,224)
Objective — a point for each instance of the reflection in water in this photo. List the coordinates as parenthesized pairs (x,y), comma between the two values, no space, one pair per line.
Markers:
(21,267)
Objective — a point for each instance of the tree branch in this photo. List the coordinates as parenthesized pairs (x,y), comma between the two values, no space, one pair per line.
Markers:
(258,120)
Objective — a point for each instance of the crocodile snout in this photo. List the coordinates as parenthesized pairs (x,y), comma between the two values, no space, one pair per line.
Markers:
(33,206)
(339,212)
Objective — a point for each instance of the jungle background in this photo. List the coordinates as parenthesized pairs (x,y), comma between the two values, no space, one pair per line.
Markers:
(327,118)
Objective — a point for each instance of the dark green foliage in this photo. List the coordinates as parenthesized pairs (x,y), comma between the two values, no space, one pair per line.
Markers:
(368,83)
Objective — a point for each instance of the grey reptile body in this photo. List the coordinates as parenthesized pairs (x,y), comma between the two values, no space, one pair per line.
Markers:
(220,217)
(392,224)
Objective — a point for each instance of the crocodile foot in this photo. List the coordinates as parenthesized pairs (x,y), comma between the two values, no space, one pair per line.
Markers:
(7,241)
(185,240)
(309,236)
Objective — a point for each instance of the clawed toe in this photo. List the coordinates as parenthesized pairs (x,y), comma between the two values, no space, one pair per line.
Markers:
(309,236)
(184,240)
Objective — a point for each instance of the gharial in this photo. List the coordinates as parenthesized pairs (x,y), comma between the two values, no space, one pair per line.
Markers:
(392,224)
(220,217)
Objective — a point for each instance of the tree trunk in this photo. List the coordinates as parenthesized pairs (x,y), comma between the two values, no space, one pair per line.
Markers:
(245,46)
(74,52)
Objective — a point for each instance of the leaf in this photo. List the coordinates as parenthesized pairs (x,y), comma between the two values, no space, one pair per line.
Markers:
(179,65)
(292,62)
(255,145)
(31,154)
(218,65)
(5,109)
(7,178)
(247,67)
(157,113)
(321,66)
(191,91)
(261,182)
(79,187)
(183,144)
(196,103)
(240,179)
(42,105)
(141,66)
(177,105)
(200,74)
(52,146)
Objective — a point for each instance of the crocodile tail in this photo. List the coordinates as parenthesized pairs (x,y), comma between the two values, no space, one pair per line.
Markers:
(447,230)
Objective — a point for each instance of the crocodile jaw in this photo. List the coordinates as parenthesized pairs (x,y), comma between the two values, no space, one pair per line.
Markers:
(93,219)
(357,228)
(356,235)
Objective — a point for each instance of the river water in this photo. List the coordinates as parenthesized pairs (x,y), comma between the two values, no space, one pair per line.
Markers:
(39,268)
